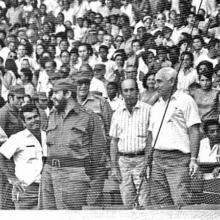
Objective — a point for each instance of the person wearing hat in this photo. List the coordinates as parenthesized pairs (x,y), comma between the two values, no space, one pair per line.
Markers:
(75,144)
(11,123)
(101,107)
(98,81)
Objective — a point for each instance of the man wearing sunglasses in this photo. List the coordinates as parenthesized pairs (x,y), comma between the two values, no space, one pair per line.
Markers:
(101,107)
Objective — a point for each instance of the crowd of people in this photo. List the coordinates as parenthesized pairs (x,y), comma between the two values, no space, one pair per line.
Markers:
(106,89)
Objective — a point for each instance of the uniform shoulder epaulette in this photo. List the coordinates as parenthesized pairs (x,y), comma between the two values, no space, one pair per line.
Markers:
(84,109)
(100,97)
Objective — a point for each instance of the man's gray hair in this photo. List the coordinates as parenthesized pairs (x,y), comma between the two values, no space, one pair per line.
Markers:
(167,73)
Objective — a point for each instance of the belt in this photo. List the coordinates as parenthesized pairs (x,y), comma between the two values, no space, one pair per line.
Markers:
(139,153)
(65,162)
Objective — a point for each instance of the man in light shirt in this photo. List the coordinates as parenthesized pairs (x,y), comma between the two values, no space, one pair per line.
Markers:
(98,82)
(27,148)
(177,145)
(128,145)
(209,151)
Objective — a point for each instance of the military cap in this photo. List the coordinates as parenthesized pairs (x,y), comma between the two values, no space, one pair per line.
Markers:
(42,95)
(64,84)
(56,75)
(17,90)
(99,66)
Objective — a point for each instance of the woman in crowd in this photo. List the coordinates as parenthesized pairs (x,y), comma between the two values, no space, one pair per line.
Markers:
(8,77)
(150,95)
(207,98)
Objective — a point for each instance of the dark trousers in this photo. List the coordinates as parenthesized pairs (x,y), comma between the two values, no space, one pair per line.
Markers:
(5,193)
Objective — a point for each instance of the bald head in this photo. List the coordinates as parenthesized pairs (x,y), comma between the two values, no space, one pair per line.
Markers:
(166,73)
(129,92)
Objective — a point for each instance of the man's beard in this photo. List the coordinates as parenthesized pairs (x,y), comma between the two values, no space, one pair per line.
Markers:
(61,105)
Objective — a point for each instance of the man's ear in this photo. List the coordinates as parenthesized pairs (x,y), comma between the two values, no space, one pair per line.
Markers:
(68,94)
(172,80)
(24,124)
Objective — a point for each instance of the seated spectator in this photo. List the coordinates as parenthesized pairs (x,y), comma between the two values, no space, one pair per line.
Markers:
(150,95)
(187,74)
(113,95)
(210,147)
(26,81)
(98,81)
(207,98)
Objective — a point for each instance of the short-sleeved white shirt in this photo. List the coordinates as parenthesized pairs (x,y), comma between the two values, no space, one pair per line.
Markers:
(206,154)
(181,114)
(131,129)
(27,154)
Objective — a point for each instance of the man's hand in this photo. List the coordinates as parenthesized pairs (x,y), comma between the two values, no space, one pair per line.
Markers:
(216,172)
(16,184)
(145,172)
(116,175)
(193,167)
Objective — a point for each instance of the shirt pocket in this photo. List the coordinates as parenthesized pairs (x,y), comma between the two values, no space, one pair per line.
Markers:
(141,130)
(51,135)
(76,136)
(30,153)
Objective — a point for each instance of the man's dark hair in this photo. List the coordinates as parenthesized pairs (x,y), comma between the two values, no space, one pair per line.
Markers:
(188,53)
(199,37)
(213,42)
(115,84)
(28,108)
(103,47)
(209,122)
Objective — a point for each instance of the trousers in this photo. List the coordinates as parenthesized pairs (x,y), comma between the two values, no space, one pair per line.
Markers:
(27,199)
(63,188)
(170,183)
(130,169)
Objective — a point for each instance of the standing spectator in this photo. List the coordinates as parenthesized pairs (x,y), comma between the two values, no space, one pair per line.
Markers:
(177,146)
(207,98)
(11,123)
(75,146)
(101,107)
(15,13)
(127,8)
(26,148)
(129,134)
(187,74)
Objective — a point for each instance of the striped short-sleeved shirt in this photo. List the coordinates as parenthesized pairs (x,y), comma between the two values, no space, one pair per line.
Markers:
(131,128)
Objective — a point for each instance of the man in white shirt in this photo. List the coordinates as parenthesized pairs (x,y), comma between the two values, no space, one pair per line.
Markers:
(97,83)
(199,50)
(209,151)
(177,145)
(128,145)
(27,148)
(114,100)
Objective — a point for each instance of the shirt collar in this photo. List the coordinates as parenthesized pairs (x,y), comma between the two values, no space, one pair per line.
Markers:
(173,97)
(137,106)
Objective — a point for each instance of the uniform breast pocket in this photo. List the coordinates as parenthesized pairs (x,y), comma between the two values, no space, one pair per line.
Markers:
(51,134)
(76,135)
